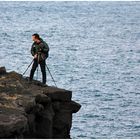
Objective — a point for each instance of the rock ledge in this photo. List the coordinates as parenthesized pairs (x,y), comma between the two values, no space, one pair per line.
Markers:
(30,110)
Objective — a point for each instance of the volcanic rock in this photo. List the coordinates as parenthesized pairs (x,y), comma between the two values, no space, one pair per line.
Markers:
(31,110)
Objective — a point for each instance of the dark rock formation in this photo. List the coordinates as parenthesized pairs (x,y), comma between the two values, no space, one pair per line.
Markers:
(31,110)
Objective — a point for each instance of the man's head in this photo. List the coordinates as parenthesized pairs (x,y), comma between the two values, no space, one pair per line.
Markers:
(36,37)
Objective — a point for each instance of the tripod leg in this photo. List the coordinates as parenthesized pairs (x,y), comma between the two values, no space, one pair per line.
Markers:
(51,75)
(37,74)
(27,68)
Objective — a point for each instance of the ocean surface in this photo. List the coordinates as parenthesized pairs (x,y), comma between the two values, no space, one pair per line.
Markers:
(94,51)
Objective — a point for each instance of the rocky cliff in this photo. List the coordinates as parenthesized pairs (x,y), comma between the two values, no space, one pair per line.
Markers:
(31,110)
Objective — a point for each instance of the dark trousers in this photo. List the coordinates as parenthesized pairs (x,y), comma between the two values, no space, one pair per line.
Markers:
(43,70)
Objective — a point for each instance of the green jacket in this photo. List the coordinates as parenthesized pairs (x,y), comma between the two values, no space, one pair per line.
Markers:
(42,49)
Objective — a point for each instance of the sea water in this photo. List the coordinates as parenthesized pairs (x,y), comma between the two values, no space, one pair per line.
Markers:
(94,51)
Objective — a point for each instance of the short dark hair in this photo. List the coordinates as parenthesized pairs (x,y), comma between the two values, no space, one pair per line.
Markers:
(36,36)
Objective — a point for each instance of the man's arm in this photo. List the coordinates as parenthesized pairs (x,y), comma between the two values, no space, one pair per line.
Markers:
(33,50)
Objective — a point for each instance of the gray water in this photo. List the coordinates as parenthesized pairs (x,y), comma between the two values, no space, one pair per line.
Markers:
(94,51)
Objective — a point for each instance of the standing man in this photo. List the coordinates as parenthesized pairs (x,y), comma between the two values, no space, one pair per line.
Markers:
(39,51)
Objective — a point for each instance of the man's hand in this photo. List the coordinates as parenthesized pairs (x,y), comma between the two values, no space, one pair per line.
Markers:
(40,50)
(35,56)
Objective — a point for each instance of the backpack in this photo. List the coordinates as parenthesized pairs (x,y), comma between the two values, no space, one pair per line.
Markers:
(46,49)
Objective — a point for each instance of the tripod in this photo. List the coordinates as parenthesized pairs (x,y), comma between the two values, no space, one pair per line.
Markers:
(37,72)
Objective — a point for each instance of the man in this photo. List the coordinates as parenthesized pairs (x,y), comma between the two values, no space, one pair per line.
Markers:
(39,51)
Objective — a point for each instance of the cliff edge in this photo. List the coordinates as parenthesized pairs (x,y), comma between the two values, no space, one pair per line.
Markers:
(31,110)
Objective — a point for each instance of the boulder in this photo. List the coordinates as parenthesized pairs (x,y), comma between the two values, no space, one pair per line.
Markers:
(2,70)
(57,94)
